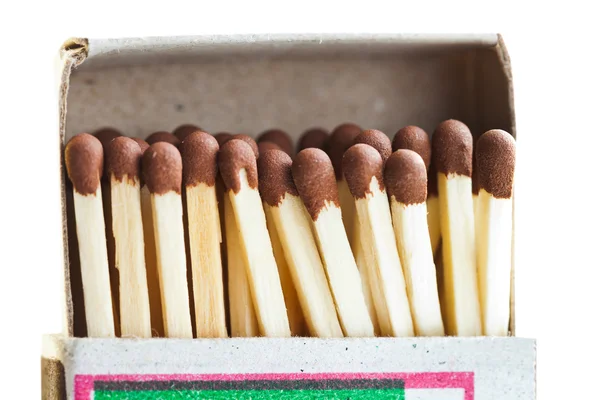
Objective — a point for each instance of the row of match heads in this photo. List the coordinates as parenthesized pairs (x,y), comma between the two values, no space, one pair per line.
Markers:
(190,156)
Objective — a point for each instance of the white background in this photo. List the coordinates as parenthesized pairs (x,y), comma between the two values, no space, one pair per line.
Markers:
(553,51)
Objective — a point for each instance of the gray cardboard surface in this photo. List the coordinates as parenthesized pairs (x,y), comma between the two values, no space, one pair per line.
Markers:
(500,368)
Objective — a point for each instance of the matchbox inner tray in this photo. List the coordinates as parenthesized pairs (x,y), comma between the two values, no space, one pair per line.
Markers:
(247,84)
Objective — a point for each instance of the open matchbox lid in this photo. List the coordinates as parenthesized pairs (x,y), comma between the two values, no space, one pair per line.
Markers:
(249,83)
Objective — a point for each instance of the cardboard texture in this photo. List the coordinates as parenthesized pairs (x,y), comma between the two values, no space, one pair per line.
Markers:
(247,84)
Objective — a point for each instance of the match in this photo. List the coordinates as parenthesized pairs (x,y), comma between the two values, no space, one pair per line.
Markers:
(380,142)
(452,146)
(339,141)
(314,137)
(123,169)
(162,170)
(287,216)
(163,137)
(315,180)
(237,163)
(363,169)
(241,306)
(199,157)
(496,167)
(182,131)
(105,136)
(84,159)
(280,138)
(290,295)
(416,139)
(406,182)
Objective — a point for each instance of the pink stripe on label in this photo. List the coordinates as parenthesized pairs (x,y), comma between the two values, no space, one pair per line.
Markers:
(84,384)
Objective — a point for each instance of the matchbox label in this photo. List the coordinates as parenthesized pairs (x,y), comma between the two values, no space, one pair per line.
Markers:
(327,386)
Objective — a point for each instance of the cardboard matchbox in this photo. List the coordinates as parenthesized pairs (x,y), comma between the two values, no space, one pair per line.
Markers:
(249,83)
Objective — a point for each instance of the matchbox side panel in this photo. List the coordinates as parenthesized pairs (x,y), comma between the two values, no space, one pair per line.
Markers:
(409,386)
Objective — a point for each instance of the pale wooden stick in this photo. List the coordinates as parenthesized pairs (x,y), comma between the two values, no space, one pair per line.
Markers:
(84,161)
(123,169)
(315,180)
(237,163)
(241,307)
(199,156)
(363,268)
(452,147)
(292,302)
(162,172)
(496,166)
(406,182)
(156,318)
(363,167)
(154,295)
(286,216)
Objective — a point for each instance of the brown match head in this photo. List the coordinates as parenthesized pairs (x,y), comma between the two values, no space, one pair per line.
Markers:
(106,135)
(361,164)
(452,148)
(496,154)
(222,137)
(235,155)
(163,137)
(315,181)
(84,158)
(249,141)
(315,137)
(142,143)
(266,146)
(162,168)
(341,139)
(416,139)
(199,157)
(275,176)
(406,177)
(182,131)
(378,140)
(279,137)
(123,156)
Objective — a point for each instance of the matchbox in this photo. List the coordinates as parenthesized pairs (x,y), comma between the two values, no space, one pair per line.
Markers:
(245,84)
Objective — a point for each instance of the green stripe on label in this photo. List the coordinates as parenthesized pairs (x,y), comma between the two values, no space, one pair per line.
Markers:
(347,394)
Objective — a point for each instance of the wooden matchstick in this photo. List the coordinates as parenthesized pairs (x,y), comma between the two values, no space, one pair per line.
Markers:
(156,317)
(380,142)
(416,139)
(314,137)
(293,307)
(241,306)
(406,182)
(162,136)
(314,178)
(363,169)
(293,229)
(292,302)
(84,159)
(496,166)
(237,163)
(123,169)
(280,138)
(182,131)
(162,170)
(106,136)
(452,146)
(199,156)
(248,140)
(340,140)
